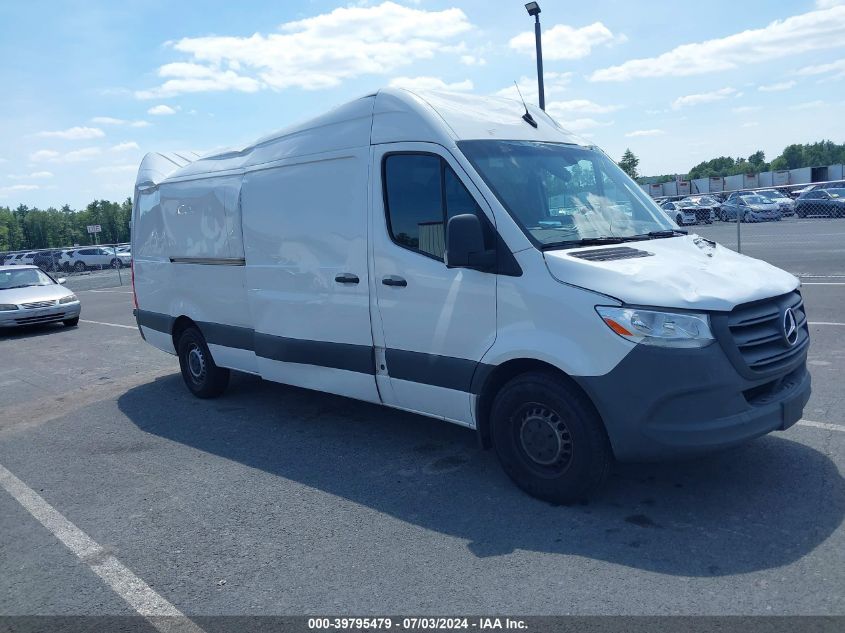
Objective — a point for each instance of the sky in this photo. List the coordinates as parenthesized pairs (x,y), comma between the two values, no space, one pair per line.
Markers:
(90,86)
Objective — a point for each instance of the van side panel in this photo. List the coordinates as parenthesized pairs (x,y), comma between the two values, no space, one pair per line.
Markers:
(190,262)
(304,224)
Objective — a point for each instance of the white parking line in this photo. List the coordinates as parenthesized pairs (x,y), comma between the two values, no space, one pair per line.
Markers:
(128,327)
(823,425)
(138,594)
(824,323)
(823,283)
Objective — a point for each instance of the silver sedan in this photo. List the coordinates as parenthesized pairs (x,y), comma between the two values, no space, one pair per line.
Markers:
(29,296)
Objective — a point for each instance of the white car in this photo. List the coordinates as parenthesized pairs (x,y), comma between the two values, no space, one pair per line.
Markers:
(29,296)
(467,259)
(20,259)
(94,257)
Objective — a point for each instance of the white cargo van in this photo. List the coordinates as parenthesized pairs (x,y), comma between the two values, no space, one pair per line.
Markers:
(464,259)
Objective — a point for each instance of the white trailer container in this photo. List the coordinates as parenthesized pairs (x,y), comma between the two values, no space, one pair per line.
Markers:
(717,184)
(701,185)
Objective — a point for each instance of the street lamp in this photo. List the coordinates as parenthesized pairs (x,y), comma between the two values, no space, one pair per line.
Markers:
(534,9)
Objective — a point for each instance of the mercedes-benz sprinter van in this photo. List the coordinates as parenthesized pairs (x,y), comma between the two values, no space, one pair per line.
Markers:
(467,259)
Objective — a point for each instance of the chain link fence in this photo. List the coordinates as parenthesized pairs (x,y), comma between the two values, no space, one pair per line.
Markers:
(83,267)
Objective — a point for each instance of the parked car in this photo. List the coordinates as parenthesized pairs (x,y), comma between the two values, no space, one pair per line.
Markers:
(829,202)
(20,259)
(29,296)
(750,208)
(705,208)
(685,212)
(566,341)
(785,203)
(97,257)
(49,261)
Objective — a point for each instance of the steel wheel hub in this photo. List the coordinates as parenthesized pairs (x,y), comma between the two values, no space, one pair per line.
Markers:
(196,363)
(544,437)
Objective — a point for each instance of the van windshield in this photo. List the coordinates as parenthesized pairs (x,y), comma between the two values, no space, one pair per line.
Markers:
(565,195)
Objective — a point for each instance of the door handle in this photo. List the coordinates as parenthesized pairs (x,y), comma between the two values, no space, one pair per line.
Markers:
(346,278)
(394,280)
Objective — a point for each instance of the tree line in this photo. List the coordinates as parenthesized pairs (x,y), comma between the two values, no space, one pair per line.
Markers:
(24,228)
(794,156)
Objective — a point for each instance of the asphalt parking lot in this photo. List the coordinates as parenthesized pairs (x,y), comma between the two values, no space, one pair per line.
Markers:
(277,500)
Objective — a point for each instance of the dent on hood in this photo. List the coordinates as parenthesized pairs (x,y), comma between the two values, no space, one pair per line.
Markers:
(687,272)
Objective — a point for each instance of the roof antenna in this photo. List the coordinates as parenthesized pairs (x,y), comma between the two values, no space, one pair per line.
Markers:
(527,116)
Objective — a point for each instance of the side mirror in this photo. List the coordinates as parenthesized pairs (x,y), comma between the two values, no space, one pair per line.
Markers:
(465,244)
(61,280)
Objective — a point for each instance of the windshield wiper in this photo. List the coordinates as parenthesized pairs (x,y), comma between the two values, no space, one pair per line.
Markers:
(23,286)
(593,241)
(659,234)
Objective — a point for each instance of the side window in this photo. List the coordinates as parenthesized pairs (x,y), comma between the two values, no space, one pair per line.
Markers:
(421,193)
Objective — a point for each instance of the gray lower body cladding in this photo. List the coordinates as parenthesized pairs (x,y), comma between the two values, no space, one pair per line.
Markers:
(661,403)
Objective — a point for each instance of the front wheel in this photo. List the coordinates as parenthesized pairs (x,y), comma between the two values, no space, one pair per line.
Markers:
(679,220)
(79,267)
(116,263)
(202,376)
(549,438)
(71,322)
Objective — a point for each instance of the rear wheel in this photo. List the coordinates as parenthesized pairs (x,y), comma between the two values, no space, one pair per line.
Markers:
(202,376)
(549,438)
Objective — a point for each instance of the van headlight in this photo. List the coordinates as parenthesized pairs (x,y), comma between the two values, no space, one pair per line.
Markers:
(68,299)
(663,329)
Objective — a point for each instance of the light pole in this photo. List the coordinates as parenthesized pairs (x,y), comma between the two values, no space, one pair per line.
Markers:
(534,9)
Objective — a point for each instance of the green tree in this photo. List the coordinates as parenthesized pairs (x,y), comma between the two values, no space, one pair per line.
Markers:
(629,163)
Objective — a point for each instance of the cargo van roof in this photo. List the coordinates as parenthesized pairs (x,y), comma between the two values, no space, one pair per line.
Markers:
(391,115)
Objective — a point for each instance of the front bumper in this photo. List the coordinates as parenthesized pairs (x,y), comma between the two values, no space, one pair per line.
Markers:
(664,403)
(35,316)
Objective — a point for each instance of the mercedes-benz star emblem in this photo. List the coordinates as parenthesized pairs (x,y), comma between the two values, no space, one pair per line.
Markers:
(790,328)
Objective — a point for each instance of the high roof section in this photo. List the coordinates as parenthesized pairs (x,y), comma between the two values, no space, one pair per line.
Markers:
(389,116)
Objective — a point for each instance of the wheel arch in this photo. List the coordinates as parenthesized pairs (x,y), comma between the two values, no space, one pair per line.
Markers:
(497,376)
(180,324)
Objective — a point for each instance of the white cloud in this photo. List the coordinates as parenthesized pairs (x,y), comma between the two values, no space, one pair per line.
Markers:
(51,156)
(126,146)
(704,97)
(12,188)
(837,67)
(473,60)
(639,133)
(554,84)
(115,169)
(777,87)
(751,124)
(36,175)
(108,120)
(808,105)
(74,133)
(580,105)
(429,83)
(815,30)
(565,42)
(161,110)
(44,154)
(317,52)
(826,4)
(746,109)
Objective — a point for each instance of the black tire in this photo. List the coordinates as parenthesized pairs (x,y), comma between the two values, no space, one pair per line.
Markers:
(202,376)
(71,322)
(79,267)
(679,220)
(116,263)
(800,213)
(549,439)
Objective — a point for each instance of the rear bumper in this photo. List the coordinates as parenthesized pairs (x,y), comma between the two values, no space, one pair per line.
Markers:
(21,318)
(668,403)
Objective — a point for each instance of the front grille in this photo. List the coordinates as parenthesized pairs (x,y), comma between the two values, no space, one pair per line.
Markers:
(756,331)
(45,318)
(702,215)
(39,304)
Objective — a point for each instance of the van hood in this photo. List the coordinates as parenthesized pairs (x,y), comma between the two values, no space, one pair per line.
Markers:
(681,272)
